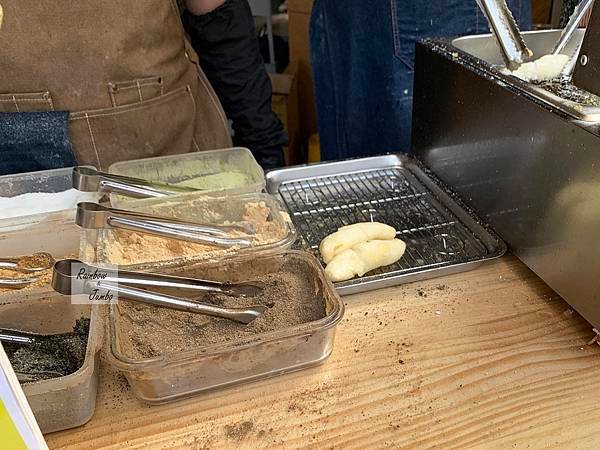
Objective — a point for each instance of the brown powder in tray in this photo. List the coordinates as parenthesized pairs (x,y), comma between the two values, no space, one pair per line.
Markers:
(136,248)
(147,331)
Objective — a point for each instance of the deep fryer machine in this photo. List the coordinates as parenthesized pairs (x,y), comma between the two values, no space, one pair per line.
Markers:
(525,157)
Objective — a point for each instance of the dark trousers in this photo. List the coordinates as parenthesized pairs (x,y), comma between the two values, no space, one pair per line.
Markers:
(362,53)
(230,56)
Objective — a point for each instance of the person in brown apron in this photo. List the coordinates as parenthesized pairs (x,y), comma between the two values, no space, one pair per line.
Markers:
(121,68)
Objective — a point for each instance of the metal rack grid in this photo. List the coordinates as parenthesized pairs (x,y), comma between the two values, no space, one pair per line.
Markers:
(435,237)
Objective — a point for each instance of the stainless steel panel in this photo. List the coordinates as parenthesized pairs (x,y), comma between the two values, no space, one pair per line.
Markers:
(441,237)
(528,170)
(587,70)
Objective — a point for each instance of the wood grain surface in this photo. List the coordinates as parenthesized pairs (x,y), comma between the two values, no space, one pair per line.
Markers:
(491,358)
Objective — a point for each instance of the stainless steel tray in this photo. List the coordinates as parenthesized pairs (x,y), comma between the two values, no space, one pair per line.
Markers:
(441,237)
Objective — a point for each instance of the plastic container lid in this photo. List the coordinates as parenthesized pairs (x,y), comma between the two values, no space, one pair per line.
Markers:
(60,238)
(222,172)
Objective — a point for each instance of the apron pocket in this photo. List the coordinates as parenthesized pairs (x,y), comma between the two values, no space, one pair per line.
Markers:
(26,102)
(134,91)
(160,126)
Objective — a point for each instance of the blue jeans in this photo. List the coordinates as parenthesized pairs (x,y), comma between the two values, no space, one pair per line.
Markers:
(362,54)
(32,141)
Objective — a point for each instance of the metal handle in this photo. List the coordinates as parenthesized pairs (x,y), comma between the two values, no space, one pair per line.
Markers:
(165,230)
(8,263)
(248,289)
(16,337)
(64,281)
(567,72)
(23,263)
(572,25)
(511,43)
(17,283)
(88,179)
(94,216)
(221,230)
(64,278)
(242,315)
(129,190)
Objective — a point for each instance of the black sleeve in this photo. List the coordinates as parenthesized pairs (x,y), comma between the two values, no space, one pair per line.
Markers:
(229,54)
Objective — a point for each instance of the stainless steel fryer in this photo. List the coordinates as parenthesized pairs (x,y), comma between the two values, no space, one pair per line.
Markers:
(441,236)
(481,52)
(526,165)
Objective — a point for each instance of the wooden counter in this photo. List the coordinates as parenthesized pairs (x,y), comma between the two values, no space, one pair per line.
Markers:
(489,358)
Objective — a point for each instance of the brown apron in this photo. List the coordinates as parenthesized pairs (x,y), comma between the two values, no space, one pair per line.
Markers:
(124,70)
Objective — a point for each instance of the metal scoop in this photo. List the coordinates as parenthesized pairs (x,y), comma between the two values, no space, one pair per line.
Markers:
(95,216)
(28,264)
(36,262)
(88,179)
(572,25)
(17,283)
(68,279)
(511,43)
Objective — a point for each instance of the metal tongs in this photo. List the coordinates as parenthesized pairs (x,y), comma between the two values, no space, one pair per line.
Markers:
(512,46)
(11,336)
(88,179)
(68,280)
(566,36)
(27,264)
(572,25)
(95,216)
